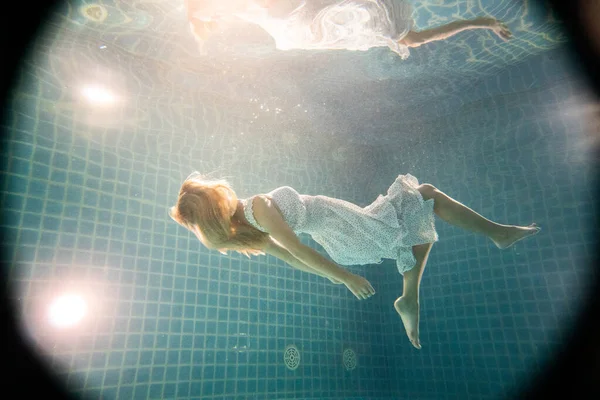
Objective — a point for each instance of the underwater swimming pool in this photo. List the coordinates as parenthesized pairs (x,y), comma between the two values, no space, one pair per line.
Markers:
(115,106)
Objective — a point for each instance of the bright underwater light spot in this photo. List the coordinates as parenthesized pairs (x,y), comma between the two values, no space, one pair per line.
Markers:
(67,310)
(98,94)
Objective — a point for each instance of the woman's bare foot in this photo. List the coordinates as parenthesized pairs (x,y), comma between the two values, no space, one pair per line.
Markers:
(409,312)
(512,234)
(493,24)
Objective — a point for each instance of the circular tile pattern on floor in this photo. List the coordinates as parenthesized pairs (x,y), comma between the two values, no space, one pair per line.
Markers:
(349,358)
(291,357)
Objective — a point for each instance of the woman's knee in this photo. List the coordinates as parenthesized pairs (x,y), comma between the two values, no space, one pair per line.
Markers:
(427,190)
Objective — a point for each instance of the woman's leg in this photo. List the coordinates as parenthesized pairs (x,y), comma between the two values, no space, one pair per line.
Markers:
(408,305)
(416,39)
(459,215)
(462,216)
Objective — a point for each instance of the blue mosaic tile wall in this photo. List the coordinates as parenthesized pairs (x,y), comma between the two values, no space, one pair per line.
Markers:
(169,318)
(86,188)
(85,193)
(490,319)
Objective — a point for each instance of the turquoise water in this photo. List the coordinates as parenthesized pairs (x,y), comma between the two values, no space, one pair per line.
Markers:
(498,126)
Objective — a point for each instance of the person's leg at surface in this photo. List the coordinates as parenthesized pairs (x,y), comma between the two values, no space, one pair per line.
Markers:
(408,304)
(419,38)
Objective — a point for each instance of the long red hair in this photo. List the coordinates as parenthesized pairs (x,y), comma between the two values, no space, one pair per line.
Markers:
(205,207)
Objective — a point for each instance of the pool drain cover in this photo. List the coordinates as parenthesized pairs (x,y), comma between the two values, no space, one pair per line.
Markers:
(291,357)
(349,359)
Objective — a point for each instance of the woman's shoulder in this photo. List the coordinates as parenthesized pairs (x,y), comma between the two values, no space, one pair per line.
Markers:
(284,188)
(283,191)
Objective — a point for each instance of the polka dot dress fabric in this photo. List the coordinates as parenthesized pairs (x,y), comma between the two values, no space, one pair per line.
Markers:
(352,235)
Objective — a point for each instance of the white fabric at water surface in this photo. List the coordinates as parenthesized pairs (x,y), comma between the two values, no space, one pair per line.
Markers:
(353,235)
(333,24)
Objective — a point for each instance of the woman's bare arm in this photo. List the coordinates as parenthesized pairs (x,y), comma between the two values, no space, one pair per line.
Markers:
(276,250)
(268,216)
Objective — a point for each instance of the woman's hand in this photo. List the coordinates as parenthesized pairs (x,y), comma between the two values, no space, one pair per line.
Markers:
(202,30)
(359,286)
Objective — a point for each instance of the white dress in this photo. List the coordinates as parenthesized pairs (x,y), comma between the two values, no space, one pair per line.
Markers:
(334,24)
(352,235)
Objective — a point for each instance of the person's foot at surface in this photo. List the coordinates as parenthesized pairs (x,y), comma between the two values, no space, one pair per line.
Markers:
(498,27)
